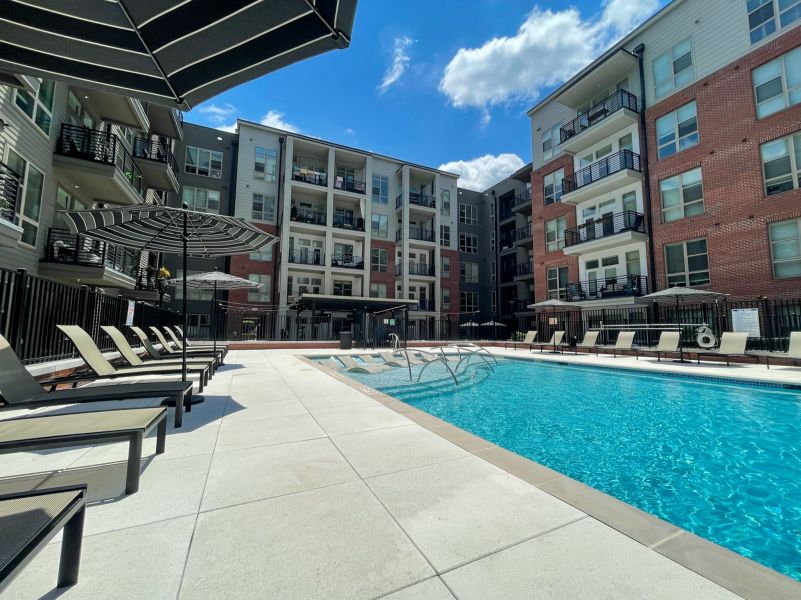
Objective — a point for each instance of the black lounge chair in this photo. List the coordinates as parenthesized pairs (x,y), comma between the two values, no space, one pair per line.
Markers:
(31,519)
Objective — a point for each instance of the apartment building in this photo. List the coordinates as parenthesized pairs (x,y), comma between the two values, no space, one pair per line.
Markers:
(674,159)
(478,266)
(67,147)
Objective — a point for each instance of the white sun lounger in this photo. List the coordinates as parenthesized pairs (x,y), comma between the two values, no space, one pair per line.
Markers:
(624,341)
(554,342)
(731,344)
(351,366)
(668,344)
(793,350)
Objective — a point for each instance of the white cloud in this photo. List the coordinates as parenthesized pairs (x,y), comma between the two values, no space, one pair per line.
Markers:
(548,48)
(480,173)
(275,118)
(350,131)
(400,63)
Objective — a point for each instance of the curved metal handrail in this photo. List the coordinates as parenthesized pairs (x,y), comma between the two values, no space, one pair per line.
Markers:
(478,348)
(471,355)
(436,359)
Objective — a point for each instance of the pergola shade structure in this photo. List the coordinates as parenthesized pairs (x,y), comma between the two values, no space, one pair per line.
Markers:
(172,53)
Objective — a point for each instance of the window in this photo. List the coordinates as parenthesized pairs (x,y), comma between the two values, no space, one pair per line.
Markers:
(468,302)
(468,272)
(343,288)
(378,260)
(265,255)
(445,235)
(378,290)
(781,164)
(552,186)
(263,207)
(682,196)
(677,131)
(446,266)
(785,248)
(468,242)
(633,263)
(380,189)
(492,241)
(777,84)
(555,234)
(38,106)
(626,142)
(30,195)
(557,283)
(201,199)
(493,266)
(306,285)
(260,294)
(200,161)
(762,21)
(550,141)
(445,202)
(468,214)
(687,263)
(265,164)
(380,225)
(493,302)
(673,69)
(446,297)
(492,206)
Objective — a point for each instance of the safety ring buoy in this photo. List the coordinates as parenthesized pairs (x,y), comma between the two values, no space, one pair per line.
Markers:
(705,338)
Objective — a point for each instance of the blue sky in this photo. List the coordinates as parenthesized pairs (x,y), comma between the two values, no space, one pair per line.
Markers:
(438,82)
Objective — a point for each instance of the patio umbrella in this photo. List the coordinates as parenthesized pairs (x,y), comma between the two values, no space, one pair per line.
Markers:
(171,230)
(469,325)
(494,325)
(555,305)
(215,280)
(172,53)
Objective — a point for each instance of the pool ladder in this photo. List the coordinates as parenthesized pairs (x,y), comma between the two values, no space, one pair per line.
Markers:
(443,358)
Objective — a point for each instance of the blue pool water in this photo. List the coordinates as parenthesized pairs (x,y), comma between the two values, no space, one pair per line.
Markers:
(720,460)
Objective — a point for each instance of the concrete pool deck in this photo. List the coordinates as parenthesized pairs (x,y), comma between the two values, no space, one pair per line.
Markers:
(292,481)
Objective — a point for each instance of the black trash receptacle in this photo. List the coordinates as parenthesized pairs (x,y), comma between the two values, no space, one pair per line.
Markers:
(345,340)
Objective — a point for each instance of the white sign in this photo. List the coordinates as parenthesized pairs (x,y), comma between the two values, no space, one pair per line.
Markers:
(745,320)
(131,308)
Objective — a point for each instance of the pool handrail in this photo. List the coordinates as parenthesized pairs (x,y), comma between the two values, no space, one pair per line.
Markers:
(436,359)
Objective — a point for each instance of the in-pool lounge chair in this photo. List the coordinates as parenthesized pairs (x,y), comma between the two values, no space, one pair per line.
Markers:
(189,344)
(731,344)
(668,344)
(133,359)
(101,367)
(176,339)
(19,389)
(793,350)
(87,428)
(351,366)
(624,341)
(31,519)
(554,343)
(392,360)
(531,335)
(167,348)
(589,343)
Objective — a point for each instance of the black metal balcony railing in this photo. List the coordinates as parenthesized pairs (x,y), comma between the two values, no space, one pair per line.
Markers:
(522,234)
(605,226)
(350,185)
(306,257)
(523,269)
(66,247)
(522,199)
(9,193)
(416,233)
(415,268)
(418,199)
(102,147)
(347,261)
(307,215)
(349,222)
(147,279)
(607,287)
(597,113)
(157,151)
(609,165)
(309,175)
(505,212)
(427,305)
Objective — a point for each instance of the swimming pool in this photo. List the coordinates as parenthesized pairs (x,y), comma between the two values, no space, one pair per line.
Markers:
(722,460)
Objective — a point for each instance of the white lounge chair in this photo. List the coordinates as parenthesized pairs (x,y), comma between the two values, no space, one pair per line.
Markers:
(351,366)
(531,335)
(392,360)
(624,341)
(555,342)
(589,342)
(668,344)
(731,344)
(793,350)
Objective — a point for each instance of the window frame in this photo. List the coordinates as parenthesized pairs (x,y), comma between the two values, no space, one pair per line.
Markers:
(383,182)
(549,135)
(376,232)
(673,81)
(560,291)
(681,190)
(786,92)
(471,307)
(469,272)
(267,207)
(37,103)
(445,202)
(556,183)
(677,138)
(445,235)
(557,243)
(22,218)
(193,203)
(376,264)
(264,293)
(376,293)
(464,246)
(793,142)
(687,272)
(773,24)
(772,244)
(468,214)
(212,173)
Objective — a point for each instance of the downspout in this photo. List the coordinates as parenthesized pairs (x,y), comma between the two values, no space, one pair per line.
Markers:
(644,164)
(279,212)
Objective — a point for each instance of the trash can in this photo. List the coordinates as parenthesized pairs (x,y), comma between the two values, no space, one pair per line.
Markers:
(345,340)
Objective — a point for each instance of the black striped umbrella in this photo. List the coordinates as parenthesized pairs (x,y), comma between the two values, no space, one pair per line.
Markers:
(173,53)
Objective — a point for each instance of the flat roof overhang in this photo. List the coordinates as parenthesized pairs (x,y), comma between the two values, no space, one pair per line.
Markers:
(351,303)
(601,78)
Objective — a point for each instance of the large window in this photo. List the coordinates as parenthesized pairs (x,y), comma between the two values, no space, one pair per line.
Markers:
(260,294)
(468,242)
(380,225)
(39,105)
(677,131)
(446,297)
(687,263)
(468,214)
(265,164)
(555,234)
(673,69)
(777,84)
(468,302)
(30,194)
(200,161)
(552,186)
(378,260)
(682,196)
(201,199)
(468,272)
(550,141)
(265,255)
(343,288)
(263,208)
(445,202)
(781,164)
(378,290)
(557,283)
(445,235)
(785,248)
(765,17)
(446,266)
(380,189)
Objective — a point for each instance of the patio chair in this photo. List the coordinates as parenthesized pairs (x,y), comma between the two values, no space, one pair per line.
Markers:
(624,341)
(668,344)
(133,359)
(370,359)
(88,428)
(554,342)
(101,367)
(731,344)
(19,389)
(589,343)
(392,360)
(176,352)
(222,350)
(793,350)
(32,519)
(531,335)
(351,366)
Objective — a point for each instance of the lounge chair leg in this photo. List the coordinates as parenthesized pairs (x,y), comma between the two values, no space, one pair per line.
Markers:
(134,458)
(161,436)
(179,409)
(71,550)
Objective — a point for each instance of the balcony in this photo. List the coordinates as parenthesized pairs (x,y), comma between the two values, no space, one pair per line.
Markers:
(416,233)
(310,216)
(602,177)
(306,257)
(423,305)
(506,212)
(522,202)
(417,199)
(605,232)
(523,235)
(623,286)
(166,121)
(114,108)
(348,222)
(10,231)
(524,270)
(346,261)
(74,257)
(309,175)
(98,164)
(599,122)
(157,163)
(347,184)
(415,269)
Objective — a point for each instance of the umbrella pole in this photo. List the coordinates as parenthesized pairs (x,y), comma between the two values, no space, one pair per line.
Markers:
(213,320)
(183,305)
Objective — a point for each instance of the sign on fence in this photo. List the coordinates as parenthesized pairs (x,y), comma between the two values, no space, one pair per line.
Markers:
(553,321)
(745,320)
(129,317)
